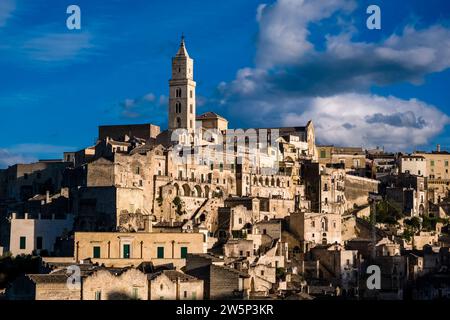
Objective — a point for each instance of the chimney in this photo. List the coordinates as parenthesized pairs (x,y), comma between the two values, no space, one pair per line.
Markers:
(438,148)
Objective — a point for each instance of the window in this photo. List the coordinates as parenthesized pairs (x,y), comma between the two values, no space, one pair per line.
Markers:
(432,163)
(39,243)
(194,295)
(191,94)
(241,253)
(160,253)
(96,252)
(98,295)
(446,163)
(185,294)
(23,243)
(211,166)
(221,167)
(184,252)
(191,109)
(138,170)
(323,153)
(190,124)
(262,272)
(126,251)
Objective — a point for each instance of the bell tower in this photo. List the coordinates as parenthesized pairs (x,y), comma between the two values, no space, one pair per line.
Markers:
(182,91)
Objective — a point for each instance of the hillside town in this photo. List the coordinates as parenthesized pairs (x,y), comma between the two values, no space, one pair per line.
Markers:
(204,211)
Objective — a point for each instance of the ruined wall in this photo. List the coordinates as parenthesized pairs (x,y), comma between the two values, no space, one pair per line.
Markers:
(357,190)
(132,284)
(56,291)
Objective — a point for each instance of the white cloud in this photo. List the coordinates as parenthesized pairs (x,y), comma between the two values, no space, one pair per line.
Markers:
(142,106)
(369,120)
(283,36)
(59,47)
(8,159)
(293,82)
(29,152)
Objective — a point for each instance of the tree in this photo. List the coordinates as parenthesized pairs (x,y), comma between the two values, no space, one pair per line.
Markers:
(178,204)
(413,223)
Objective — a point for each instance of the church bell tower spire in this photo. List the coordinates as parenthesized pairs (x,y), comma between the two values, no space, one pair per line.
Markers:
(182,91)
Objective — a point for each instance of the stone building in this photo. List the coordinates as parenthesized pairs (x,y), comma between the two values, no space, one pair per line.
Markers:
(122,248)
(413,164)
(437,169)
(23,181)
(36,235)
(175,285)
(116,284)
(316,228)
(352,158)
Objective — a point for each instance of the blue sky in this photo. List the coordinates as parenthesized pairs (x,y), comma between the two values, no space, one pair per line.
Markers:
(259,63)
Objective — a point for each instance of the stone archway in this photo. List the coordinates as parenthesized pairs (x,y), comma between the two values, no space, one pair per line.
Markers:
(198,191)
(186,190)
(207,190)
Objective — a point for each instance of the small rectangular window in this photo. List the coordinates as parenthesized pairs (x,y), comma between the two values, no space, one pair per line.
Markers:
(184,252)
(96,252)
(126,251)
(23,243)
(160,253)
(98,295)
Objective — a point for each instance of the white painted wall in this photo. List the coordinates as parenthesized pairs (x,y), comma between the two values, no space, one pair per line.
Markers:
(48,229)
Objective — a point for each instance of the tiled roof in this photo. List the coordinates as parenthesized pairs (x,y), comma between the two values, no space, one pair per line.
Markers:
(209,115)
(173,275)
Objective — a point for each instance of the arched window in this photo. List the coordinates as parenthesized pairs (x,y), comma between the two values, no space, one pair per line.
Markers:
(178,122)
(178,92)
(178,107)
